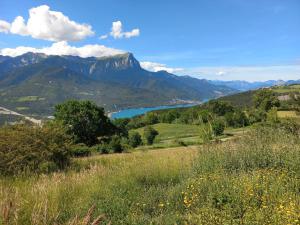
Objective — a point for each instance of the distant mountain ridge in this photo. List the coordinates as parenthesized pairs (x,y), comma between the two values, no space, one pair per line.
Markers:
(33,83)
(246,86)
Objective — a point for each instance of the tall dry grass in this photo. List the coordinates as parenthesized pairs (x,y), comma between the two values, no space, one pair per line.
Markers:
(251,180)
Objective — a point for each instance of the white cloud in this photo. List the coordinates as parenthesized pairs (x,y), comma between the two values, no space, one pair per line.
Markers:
(49,25)
(153,66)
(102,37)
(221,73)
(63,48)
(4,26)
(117,31)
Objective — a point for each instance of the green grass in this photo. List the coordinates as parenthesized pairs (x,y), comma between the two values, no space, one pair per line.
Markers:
(288,114)
(173,135)
(22,108)
(251,180)
(170,134)
(30,99)
(287,89)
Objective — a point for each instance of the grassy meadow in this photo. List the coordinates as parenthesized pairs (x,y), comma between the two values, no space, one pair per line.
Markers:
(250,180)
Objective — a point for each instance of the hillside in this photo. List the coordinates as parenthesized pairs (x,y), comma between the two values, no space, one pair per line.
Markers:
(36,82)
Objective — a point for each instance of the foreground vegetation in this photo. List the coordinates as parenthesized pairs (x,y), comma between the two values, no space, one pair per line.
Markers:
(252,180)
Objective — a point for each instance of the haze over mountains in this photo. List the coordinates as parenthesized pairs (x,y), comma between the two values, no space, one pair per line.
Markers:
(242,85)
(33,83)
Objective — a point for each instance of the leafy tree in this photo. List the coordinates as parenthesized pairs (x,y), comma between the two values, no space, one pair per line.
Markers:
(122,126)
(220,108)
(265,99)
(218,127)
(236,119)
(151,118)
(84,120)
(150,133)
(169,117)
(134,139)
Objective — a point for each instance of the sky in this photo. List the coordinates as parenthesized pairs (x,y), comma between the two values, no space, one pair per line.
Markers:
(251,40)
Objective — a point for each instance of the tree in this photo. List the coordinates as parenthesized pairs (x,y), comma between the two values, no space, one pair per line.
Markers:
(84,120)
(151,118)
(236,119)
(150,133)
(218,127)
(220,108)
(265,99)
(134,139)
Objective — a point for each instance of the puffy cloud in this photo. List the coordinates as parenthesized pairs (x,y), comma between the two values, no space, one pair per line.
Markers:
(4,26)
(18,26)
(153,66)
(50,25)
(63,48)
(117,31)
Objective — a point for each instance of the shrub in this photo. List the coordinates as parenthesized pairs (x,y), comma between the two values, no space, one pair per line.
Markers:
(218,127)
(150,133)
(81,150)
(102,148)
(134,139)
(25,148)
(115,144)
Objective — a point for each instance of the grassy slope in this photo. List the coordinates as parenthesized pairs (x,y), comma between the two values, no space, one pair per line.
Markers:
(170,134)
(254,180)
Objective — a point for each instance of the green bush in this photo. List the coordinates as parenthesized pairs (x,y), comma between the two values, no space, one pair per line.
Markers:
(81,150)
(115,144)
(150,133)
(134,139)
(25,148)
(101,148)
(218,127)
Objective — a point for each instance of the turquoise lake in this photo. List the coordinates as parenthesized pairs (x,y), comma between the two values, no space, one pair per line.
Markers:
(129,113)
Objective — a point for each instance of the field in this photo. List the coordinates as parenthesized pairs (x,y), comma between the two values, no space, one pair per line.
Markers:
(287,114)
(251,180)
(173,135)
(170,134)
(287,89)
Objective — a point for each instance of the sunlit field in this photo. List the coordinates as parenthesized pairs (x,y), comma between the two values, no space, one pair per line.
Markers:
(252,180)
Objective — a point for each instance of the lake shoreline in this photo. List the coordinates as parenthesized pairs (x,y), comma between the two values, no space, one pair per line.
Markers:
(132,112)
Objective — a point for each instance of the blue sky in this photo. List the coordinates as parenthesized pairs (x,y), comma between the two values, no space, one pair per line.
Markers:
(213,39)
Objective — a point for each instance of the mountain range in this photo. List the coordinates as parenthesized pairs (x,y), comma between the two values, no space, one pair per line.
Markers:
(242,85)
(34,83)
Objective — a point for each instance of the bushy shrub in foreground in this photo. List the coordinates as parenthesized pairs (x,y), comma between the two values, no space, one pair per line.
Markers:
(25,148)
(81,150)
